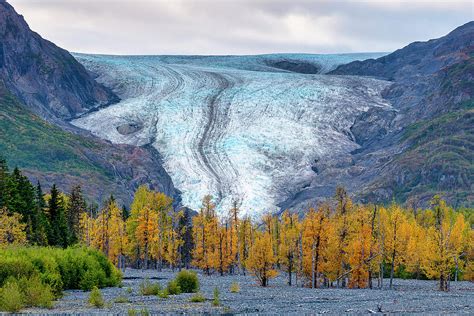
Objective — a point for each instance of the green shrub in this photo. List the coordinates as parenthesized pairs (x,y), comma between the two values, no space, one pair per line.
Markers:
(11,297)
(235,288)
(173,288)
(188,281)
(216,301)
(71,268)
(95,298)
(121,299)
(129,290)
(163,294)
(148,288)
(36,293)
(198,298)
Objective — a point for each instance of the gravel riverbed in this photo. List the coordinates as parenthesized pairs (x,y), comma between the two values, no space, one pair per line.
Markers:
(407,297)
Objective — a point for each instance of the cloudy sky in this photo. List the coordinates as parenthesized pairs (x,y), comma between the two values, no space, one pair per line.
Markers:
(241,26)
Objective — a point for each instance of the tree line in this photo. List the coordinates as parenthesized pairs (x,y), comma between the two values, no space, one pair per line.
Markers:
(338,244)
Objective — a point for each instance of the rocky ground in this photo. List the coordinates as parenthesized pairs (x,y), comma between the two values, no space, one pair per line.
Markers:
(407,297)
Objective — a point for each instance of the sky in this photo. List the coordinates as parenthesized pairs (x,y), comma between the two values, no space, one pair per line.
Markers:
(237,27)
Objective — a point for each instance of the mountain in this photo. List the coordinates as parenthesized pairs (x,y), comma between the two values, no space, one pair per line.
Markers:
(49,154)
(42,87)
(46,78)
(427,146)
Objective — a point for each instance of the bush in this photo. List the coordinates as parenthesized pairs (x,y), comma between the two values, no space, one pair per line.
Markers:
(173,288)
(11,297)
(148,288)
(163,294)
(187,281)
(198,298)
(95,298)
(61,269)
(216,301)
(235,288)
(36,293)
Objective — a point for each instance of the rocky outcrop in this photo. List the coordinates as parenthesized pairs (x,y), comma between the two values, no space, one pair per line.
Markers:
(46,78)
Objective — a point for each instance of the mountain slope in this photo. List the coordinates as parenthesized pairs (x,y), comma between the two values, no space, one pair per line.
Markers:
(42,87)
(49,154)
(46,78)
(429,142)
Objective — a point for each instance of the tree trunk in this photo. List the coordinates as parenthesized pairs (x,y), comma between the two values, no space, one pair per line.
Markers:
(392,268)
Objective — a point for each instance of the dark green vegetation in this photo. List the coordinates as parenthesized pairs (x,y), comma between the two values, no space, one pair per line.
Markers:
(34,276)
(32,143)
(187,281)
(439,158)
(54,223)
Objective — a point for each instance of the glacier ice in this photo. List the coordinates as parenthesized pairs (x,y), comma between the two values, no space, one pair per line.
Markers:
(232,126)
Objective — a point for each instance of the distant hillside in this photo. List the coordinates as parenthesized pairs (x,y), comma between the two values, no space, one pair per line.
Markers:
(49,154)
(48,80)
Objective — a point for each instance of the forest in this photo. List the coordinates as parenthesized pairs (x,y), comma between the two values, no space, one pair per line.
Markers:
(339,243)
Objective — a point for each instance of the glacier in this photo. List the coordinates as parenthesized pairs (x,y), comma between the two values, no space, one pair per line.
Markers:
(244,128)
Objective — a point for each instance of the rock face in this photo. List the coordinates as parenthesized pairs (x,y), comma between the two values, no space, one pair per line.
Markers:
(43,76)
(424,146)
(38,77)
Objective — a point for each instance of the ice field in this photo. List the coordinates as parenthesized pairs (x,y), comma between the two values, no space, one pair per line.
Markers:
(236,127)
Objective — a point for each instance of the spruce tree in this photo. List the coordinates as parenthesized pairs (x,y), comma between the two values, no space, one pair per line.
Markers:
(43,227)
(77,206)
(59,234)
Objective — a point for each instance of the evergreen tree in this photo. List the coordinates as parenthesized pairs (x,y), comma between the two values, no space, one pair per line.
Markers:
(77,206)
(186,235)
(42,230)
(4,183)
(59,234)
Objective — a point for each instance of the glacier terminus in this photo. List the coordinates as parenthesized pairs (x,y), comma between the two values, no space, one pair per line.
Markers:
(236,127)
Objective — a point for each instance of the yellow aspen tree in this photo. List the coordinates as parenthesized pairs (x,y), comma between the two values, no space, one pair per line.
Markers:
(288,246)
(446,241)
(343,210)
(85,227)
(205,235)
(163,206)
(416,248)
(174,241)
(234,240)
(12,230)
(261,260)
(360,241)
(396,237)
(246,230)
(146,233)
(118,236)
(314,240)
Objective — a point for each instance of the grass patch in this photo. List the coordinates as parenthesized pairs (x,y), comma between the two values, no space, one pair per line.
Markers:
(198,298)
(235,288)
(215,300)
(121,299)
(173,288)
(149,288)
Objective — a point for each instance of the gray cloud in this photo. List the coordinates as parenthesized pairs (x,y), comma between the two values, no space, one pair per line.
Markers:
(240,26)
